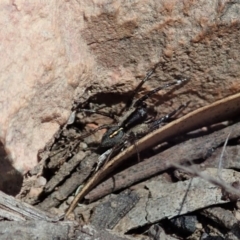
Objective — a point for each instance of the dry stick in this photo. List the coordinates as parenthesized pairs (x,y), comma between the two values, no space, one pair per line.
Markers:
(212,113)
(18,210)
(218,182)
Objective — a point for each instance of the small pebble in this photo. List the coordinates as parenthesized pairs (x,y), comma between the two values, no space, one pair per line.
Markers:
(237,215)
(185,224)
(83,145)
(70,199)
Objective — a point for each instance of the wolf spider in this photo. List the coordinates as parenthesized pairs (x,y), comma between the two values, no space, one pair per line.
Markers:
(133,124)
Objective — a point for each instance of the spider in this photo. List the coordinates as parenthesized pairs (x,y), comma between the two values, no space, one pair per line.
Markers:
(134,123)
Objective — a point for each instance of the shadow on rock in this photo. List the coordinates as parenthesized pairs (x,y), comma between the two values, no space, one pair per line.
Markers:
(10,179)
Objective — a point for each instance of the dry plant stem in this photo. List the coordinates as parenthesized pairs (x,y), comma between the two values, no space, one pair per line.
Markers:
(221,156)
(212,113)
(218,182)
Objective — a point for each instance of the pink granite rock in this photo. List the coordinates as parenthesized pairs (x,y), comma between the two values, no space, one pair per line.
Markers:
(51,50)
(43,61)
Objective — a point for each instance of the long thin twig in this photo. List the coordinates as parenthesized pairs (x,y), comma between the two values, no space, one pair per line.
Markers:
(215,181)
(221,157)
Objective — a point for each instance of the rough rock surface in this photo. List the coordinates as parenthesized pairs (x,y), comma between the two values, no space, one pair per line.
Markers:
(52,50)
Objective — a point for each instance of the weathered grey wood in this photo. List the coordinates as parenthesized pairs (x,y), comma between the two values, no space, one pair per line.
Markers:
(18,210)
(171,199)
(29,230)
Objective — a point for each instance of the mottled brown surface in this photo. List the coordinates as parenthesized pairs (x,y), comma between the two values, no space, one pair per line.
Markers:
(51,51)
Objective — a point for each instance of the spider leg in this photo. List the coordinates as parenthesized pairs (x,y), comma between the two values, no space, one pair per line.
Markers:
(155,124)
(148,75)
(81,137)
(102,159)
(133,139)
(149,94)
(107,155)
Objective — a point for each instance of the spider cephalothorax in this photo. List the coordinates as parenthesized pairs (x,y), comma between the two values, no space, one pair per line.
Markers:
(116,133)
